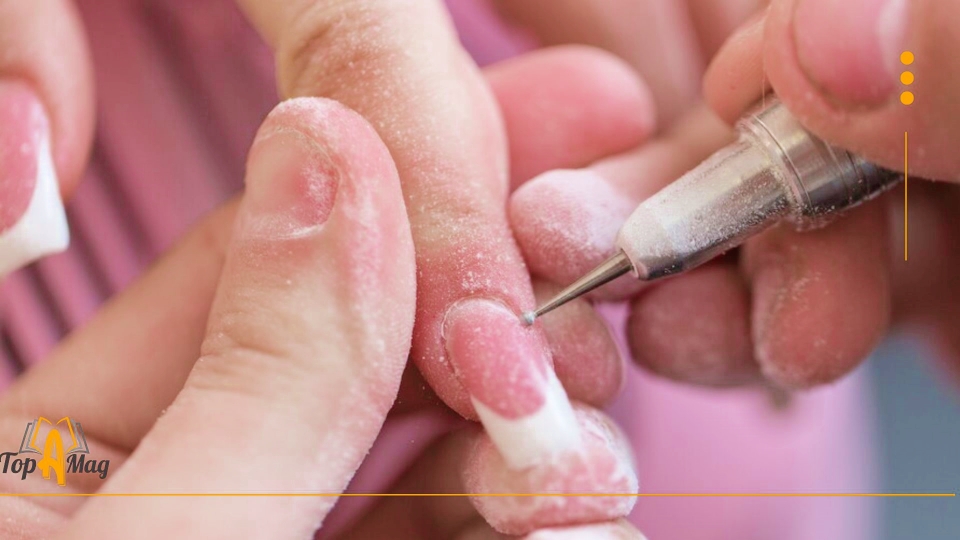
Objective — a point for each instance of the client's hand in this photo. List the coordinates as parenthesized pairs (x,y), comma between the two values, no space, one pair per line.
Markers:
(299,302)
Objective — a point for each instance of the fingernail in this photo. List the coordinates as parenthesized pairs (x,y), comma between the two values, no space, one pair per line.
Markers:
(850,48)
(32,220)
(291,186)
(504,367)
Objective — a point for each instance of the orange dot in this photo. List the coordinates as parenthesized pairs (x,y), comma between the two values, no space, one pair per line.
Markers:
(906,78)
(906,98)
(906,57)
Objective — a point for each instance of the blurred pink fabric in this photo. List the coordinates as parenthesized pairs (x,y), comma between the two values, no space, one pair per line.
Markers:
(182,87)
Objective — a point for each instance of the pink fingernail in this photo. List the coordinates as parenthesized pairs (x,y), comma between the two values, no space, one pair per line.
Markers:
(291,186)
(850,48)
(32,220)
(505,369)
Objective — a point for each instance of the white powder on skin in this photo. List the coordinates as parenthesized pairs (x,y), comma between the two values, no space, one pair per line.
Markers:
(567,222)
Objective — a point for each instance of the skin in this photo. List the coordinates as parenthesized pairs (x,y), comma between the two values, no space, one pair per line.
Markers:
(191,304)
(298,33)
(799,309)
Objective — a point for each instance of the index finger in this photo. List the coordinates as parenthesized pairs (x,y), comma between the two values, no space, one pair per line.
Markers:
(399,64)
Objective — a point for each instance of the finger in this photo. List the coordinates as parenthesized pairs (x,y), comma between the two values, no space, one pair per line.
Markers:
(848,89)
(932,304)
(442,129)
(309,331)
(620,529)
(438,471)
(466,462)
(821,299)
(566,222)
(585,356)
(602,464)
(730,87)
(655,37)
(160,319)
(567,107)
(716,21)
(46,125)
(696,328)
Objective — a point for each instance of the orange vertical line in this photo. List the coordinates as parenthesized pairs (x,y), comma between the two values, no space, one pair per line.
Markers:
(905,180)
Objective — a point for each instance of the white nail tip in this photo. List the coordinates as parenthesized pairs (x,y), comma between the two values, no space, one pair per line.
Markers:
(533,439)
(42,229)
(605,531)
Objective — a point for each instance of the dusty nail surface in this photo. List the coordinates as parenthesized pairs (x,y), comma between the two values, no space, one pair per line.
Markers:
(850,47)
(291,186)
(32,220)
(505,369)
(601,466)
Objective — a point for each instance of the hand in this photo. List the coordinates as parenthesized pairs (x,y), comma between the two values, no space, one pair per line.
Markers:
(848,91)
(400,66)
(46,125)
(273,304)
(794,309)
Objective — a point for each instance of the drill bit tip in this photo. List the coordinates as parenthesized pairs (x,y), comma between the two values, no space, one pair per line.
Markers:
(529,317)
(609,270)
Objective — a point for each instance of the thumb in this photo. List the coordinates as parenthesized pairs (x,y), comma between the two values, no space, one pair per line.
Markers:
(840,66)
(307,339)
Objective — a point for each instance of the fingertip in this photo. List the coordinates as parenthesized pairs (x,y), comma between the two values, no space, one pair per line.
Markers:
(695,328)
(821,299)
(736,77)
(321,220)
(848,90)
(620,529)
(33,223)
(566,223)
(569,105)
(44,47)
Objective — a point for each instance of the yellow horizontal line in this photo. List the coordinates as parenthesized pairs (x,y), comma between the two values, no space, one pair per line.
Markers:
(478,494)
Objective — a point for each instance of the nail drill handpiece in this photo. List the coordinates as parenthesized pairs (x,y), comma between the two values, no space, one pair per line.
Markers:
(776,170)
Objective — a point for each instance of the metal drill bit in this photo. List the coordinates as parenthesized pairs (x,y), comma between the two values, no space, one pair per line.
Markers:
(606,272)
(776,170)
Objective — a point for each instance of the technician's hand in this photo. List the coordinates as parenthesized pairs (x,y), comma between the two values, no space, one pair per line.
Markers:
(797,309)
(837,66)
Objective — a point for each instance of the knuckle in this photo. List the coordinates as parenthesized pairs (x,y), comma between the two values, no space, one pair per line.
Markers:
(239,356)
(333,43)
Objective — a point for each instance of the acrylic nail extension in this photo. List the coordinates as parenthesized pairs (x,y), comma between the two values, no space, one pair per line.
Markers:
(32,220)
(505,369)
